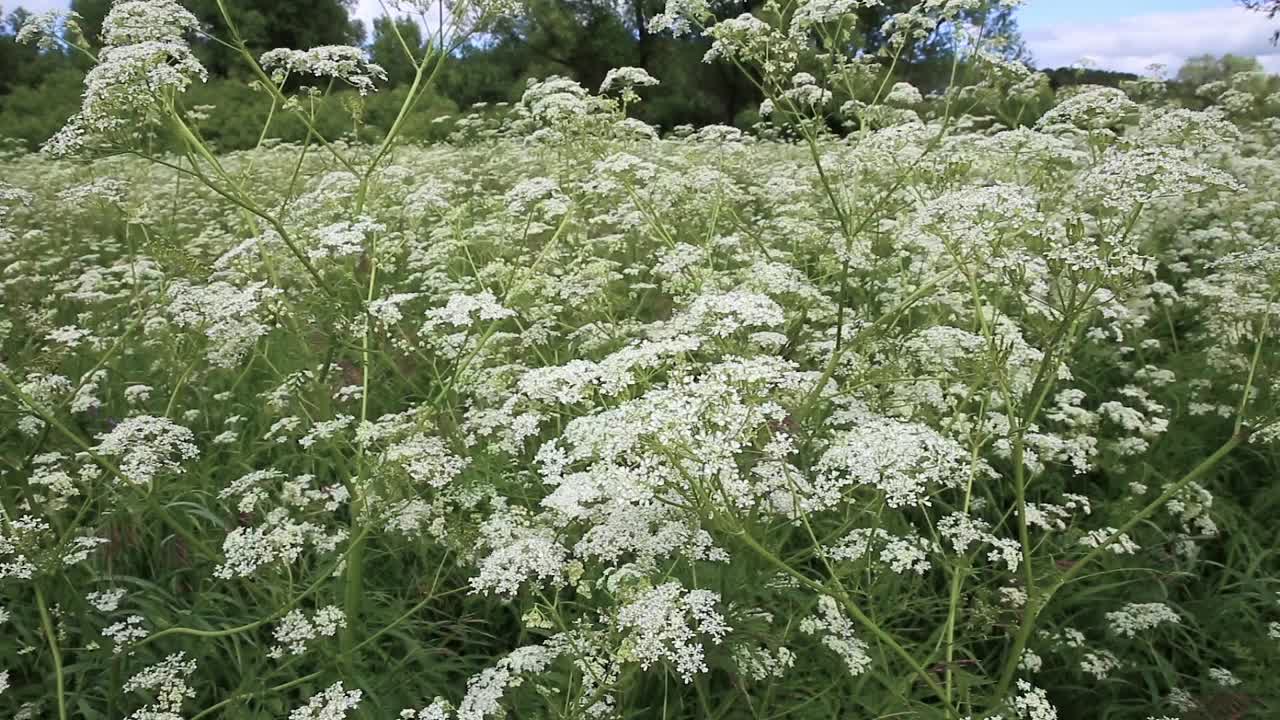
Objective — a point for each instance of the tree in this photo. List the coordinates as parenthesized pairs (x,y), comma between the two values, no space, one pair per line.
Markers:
(1270,7)
(1204,69)
(24,66)
(390,38)
(297,24)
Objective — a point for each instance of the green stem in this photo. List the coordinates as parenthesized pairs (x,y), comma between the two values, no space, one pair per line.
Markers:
(52,638)
(245,696)
(1035,608)
(257,623)
(857,614)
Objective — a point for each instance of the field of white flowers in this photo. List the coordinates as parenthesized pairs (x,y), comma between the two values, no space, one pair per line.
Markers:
(930,418)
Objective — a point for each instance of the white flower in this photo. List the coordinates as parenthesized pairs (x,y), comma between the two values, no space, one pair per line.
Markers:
(125,632)
(137,394)
(626,78)
(439,709)
(126,85)
(1223,677)
(905,461)
(1133,618)
(425,459)
(668,623)
(296,630)
(838,635)
(279,539)
(462,310)
(139,21)
(1033,703)
(518,552)
(484,691)
(46,29)
(167,683)
(343,238)
(903,94)
(333,703)
(227,315)
(147,447)
(1099,664)
(106,600)
(758,663)
(340,62)
(1122,545)
(1030,662)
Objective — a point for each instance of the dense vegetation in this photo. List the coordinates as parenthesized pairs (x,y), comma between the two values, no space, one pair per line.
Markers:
(579,39)
(931,407)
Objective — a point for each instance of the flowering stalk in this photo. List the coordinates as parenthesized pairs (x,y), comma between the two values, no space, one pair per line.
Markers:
(856,612)
(1033,611)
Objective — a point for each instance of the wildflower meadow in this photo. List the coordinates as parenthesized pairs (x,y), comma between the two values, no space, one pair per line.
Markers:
(957,405)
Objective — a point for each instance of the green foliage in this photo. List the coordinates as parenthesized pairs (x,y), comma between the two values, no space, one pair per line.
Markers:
(929,407)
(32,114)
(395,43)
(1204,69)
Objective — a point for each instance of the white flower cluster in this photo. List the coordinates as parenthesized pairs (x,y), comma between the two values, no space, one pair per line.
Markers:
(1090,108)
(484,691)
(227,315)
(148,448)
(1122,545)
(817,12)
(1134,618)
(905,461)
(627,78)
(425,459)
(838,635)
(1032,703)
(296,630)
(903,554)
(558,101)
(125,632)
(106,600)
(760,664)
(1100,664)
(669,623)
(167,683)
(145,60)
(723,314)
(47,29)
(338,62)
(18,547)
(518,552)
(342,239)
(459,313)
(333,703)
(278,539)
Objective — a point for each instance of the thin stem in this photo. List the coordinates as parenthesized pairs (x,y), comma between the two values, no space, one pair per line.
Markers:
(245,696)
(857,614)
(51,637)
(225,632)
(1035,608)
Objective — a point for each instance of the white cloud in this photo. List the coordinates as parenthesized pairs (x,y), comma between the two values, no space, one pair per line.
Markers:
(1131,44)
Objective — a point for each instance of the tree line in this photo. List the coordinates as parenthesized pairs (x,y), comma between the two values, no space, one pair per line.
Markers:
(581,39)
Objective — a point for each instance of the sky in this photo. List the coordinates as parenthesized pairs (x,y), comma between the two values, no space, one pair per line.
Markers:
(1129,35)
(1125,35)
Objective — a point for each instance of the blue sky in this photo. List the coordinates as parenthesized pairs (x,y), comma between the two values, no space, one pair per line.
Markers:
(1124,35)
(1129,35)
(1039,13)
